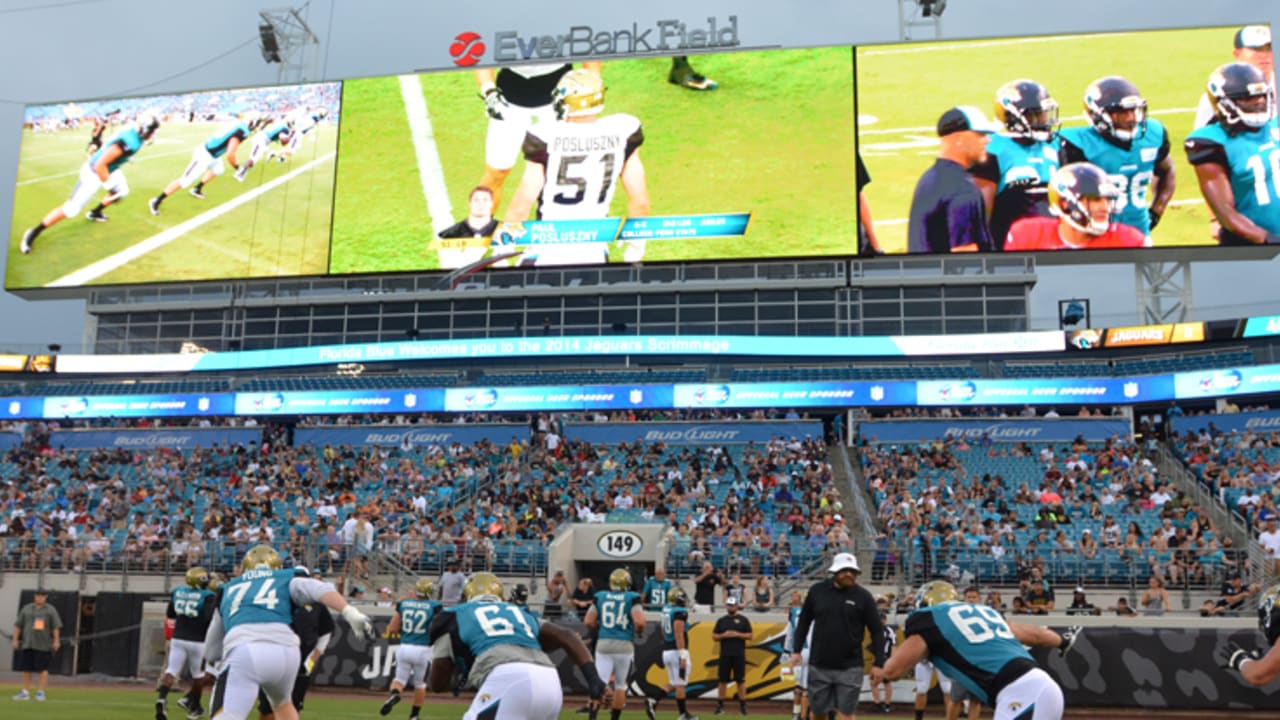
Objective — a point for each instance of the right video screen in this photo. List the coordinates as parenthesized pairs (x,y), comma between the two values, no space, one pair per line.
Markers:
(1150,139)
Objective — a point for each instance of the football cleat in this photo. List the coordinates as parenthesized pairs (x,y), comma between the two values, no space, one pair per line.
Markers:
(691,79)
(197,193)
(95,216)
(1070,188)
(1026,110)
(936,592)
(390,703)
(154,205)
(28,241)
(580,92)
(1111,95)
(1241,97)
(241,173)
(651,708)
(161,713)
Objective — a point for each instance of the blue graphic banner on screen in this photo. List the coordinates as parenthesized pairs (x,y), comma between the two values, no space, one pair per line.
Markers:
(693,433)
(686,226)
(561,232)
(157,437)
(556,397)
(1262,421)
(23,407)
(339,401)
(1045,392)
(387,435)
(1010,430)
(137,405)
(1264,326)
(794,394)
(1232,381)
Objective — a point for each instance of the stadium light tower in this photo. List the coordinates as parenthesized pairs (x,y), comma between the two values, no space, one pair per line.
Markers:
(285,38)
(924,16)
(1164,291)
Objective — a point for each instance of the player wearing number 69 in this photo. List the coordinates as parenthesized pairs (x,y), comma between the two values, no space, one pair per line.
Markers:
(618,616)
(573,168)
(501,647)
(411,620)
(975,646)
(1236,156)
(251,634)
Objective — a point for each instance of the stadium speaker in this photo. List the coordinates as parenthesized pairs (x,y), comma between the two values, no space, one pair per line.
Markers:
(55,347)
(932,8)
(270,46)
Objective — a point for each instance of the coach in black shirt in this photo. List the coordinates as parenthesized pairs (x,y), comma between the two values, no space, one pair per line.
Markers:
(948,213)
(732,632)
(841,612)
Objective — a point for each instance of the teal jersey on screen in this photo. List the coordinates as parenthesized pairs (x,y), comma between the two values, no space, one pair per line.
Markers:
(415,619)
(613,608)
(655,592)
(1021,173)
(129,142)
(257,596)
(1132,168)
(670,614)
(972,645)
(217,145)
(1252,162)
(191,612)
(275,130)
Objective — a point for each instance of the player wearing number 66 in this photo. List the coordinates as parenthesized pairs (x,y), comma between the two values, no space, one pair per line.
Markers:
(975,646)
(251,634)
(191,607)
(1236,156)
(411,620)
(501,648)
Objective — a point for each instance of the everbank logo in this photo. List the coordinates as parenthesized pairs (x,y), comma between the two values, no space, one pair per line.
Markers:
(585,41)
(467,49)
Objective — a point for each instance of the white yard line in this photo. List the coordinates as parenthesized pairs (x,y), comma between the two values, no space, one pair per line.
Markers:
(430,171)
(155,242)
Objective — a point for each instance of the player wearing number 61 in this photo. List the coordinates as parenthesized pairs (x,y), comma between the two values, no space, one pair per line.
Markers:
(975,646)
(251,634)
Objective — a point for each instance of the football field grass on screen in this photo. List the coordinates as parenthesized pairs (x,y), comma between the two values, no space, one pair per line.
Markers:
(776,140)
(903,89)
(280,229)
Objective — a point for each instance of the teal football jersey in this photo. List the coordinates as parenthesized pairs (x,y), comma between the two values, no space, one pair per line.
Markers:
(129,142)
(257,596)
(190,612)
(670,614)
(1252,162)
(1132,169)
(655,592)
(415,619)
(613,608)
(972,645)
(217,145)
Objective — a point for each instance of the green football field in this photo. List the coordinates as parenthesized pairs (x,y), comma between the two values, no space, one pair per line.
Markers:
(280,227)
(775,139)
(902,90)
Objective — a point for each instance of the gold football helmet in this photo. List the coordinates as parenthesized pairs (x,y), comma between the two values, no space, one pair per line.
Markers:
(262,556)
(424,587)
(677,597)
(484,586)
(936,592)
(215,581)
(198,577)
(579,92)
(620,579)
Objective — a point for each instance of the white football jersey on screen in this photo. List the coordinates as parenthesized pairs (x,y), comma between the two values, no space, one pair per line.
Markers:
(583,163)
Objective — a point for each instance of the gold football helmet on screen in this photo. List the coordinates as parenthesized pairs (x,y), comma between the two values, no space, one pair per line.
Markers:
(579,92)
(424,587)
(936,592)
(262,556)
(1026,110)
(198,577)
(483,586)
(620,579)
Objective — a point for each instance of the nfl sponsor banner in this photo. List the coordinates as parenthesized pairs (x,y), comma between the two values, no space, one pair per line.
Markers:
(184,438)
(556,397)
(1010,430)
(339,402)
(737,433)
(416,435)
(1231,381)
(1262,421)
(794,394)
(89,406)
(1056,391)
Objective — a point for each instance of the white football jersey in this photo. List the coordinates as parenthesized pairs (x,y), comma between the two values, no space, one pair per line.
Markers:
(583,162)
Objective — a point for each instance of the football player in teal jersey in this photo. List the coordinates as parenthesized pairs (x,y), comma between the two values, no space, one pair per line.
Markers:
(975,646)
(1256,668)
(251,634)
(1237,158)
(501,648)
(102,171)
(277,131)
(1131,148)
(411,620)
(617,616)
(656,589)
(206,159)
(191,607)
(1014,179)
(675,654)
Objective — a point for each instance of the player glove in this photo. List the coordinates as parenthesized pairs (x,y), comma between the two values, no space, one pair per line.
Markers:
(359,622)
(310,664)
(1155,218)
(1232,657)
(595,686)
(1069,637)
(494,103)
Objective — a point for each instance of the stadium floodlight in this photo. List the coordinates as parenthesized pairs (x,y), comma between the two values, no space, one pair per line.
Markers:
(932,8)
(284,38)
(921,19)
(268,43)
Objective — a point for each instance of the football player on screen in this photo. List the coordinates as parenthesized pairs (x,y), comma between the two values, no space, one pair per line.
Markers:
(1082,199)
(1130,147)
(514,99)
(102,171)
(573,168)
(1021,157)
(277,131)
(301,122)
(206,159)
(1253,46)
(1236,155)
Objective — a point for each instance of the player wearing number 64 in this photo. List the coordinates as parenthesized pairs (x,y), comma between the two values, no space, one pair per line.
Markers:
(251,635)
(975,646)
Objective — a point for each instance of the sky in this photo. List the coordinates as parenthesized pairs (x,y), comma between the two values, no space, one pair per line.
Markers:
(57,50)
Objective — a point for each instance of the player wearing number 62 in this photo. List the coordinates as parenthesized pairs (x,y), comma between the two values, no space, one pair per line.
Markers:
(1237,158)
(617,614)
(975,646)
(411,620)
(251,634)
(191,607)
(501,647)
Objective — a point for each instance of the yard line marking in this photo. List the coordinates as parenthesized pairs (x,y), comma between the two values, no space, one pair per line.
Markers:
(155,242)
(76,172)
(964,45)
(430,171)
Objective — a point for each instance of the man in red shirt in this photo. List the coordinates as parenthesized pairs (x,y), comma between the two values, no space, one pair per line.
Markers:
(1082,200)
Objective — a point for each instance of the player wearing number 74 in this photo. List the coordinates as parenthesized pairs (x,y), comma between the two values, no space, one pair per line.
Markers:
(976,647)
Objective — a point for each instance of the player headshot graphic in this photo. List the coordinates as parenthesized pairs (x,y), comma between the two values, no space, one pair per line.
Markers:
(573,168)
(206,159)
(102,171)
(1229,156)
(1021,157)
(1082,200)
(1130,147)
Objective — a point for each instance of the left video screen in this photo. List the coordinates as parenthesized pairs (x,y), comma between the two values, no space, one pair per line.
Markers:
(213,185)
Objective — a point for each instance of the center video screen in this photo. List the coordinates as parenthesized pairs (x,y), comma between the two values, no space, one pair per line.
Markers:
(598,163)
(1074,142)
(214,185)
